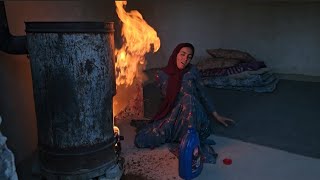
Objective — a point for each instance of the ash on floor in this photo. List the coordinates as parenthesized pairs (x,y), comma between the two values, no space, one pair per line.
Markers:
(145,163)
(152,164)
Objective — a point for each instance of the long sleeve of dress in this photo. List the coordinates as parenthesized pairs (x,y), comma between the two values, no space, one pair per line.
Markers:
(204,98)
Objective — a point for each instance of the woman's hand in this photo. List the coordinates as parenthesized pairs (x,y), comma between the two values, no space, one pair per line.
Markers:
(221,119)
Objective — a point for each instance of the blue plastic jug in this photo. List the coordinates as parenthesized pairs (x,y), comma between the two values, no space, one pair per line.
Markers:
(190,161)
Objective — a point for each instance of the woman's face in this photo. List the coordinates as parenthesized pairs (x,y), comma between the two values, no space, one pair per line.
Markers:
(184,57)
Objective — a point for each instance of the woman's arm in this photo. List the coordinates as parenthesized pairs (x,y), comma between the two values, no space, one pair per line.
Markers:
(203,97)
(208,105)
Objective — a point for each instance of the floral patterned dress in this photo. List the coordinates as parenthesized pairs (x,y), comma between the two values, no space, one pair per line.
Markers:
(191,108)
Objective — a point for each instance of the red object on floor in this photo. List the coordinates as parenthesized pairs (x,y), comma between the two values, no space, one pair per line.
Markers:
(227,161)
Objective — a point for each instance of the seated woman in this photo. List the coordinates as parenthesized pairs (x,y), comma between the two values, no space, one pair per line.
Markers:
(185,104)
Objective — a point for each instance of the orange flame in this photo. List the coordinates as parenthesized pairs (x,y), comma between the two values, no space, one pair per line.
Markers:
(138,39)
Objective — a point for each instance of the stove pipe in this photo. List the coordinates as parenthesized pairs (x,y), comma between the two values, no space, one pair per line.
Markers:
(9,43)
(72,65)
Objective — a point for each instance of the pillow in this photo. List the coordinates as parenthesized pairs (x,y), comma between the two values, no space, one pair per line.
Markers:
(212,63)
(230,54)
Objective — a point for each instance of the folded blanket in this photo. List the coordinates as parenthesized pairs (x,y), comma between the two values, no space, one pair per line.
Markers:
(212,63)
(248,66)
(262,80)
(231,54)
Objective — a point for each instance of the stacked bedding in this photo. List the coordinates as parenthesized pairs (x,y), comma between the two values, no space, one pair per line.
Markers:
(234,69)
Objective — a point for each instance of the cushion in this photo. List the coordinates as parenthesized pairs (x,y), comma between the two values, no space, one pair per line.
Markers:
(230,54)
(212,63)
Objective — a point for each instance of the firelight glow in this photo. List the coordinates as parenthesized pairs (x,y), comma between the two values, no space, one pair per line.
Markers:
(138,39)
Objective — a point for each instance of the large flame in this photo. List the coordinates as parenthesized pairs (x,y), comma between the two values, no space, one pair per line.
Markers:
(138,39)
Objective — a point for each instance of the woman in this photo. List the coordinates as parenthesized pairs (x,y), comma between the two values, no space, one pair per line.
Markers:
(184,104)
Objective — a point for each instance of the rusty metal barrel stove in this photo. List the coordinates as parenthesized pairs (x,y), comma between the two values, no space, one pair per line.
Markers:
(72,65)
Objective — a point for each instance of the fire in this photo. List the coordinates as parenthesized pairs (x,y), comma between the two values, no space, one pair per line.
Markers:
(138,39)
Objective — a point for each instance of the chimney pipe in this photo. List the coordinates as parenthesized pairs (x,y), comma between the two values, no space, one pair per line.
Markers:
(9,43)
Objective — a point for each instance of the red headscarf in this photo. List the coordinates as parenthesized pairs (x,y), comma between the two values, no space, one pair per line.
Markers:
(174,81)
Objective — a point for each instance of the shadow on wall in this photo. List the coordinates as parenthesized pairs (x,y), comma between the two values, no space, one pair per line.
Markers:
(16,103)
